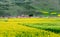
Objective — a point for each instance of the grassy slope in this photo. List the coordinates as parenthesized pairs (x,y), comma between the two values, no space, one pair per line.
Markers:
(13,28)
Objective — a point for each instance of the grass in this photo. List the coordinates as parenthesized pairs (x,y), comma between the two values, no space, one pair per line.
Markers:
(29,27)
(48,27)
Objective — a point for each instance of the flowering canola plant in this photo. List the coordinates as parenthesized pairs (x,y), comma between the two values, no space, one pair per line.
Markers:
(12,27)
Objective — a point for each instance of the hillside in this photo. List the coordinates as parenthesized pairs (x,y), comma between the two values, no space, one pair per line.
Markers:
(26,7)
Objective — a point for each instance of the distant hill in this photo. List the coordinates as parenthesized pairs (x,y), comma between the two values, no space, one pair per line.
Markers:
(26,7)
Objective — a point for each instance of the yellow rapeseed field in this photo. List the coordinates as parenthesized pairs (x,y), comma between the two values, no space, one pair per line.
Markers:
(9,27)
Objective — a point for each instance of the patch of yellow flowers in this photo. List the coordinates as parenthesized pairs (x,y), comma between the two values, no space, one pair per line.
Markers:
(10,28)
